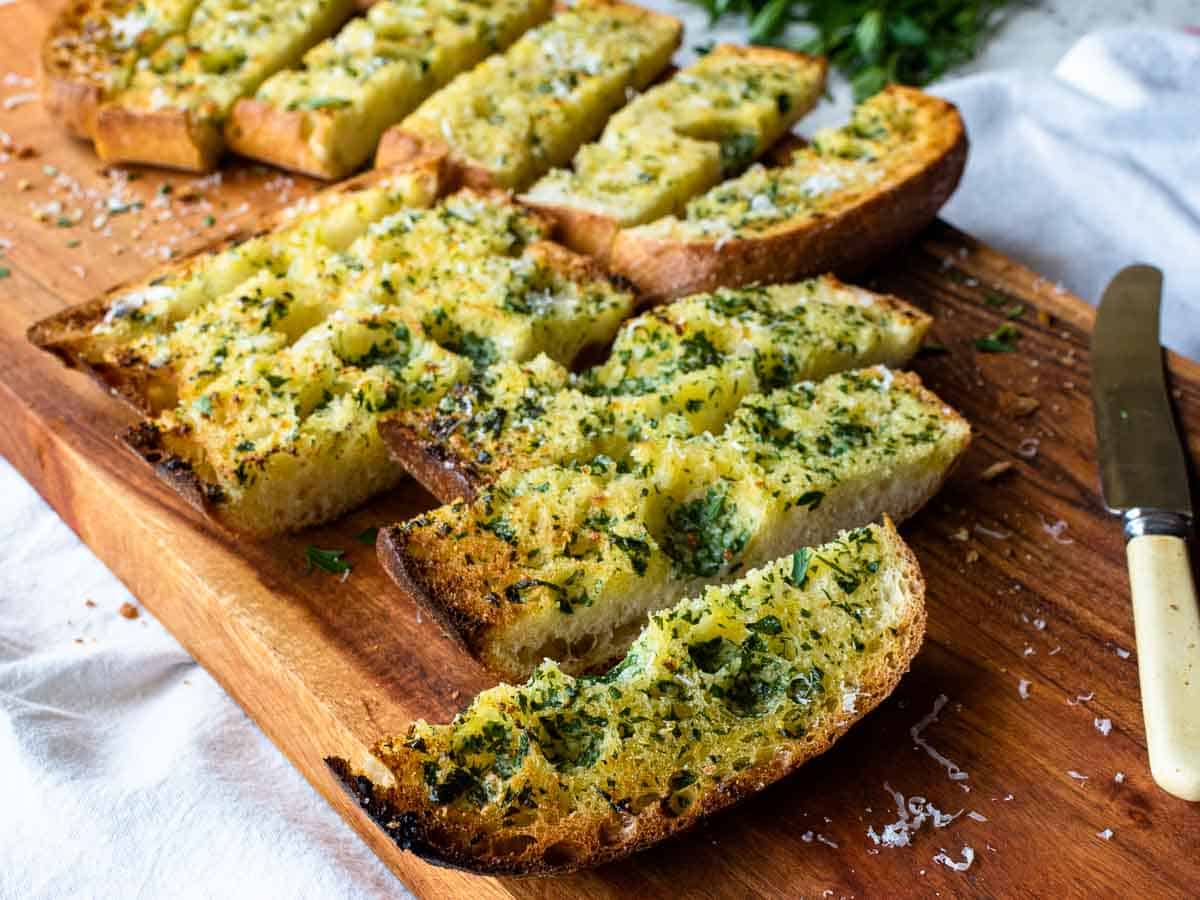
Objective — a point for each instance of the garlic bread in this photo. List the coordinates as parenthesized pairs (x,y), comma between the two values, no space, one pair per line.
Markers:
(173,108)
(325,118)
(264,367)
(850,195)
(564,561)
(516,115)
(677,140)
(718,697)
(92,48)
(680,370)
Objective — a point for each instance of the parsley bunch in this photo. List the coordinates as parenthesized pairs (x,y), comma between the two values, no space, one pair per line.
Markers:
(875,42)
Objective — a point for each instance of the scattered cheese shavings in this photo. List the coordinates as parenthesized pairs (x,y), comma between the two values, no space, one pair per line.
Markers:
(978,817)
(1023,688)
(968,857)
(952,769)
(1057,649)
(1055,530)
(1039,624)
(1106,834)
(1119,778)
(1078,776)
(1081,698)
(1104,726)
(1121,652)
(910,818)
(1028,448)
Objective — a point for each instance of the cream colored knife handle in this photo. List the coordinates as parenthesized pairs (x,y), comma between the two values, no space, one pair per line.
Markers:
(1167,621)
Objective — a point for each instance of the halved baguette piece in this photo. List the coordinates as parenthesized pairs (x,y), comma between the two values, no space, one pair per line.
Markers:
(677,140)
(718,697)
(326,117)
(679,370)
(849,196)
(564,562)
(515,116)
(173,109)
(92,47)
(266,365)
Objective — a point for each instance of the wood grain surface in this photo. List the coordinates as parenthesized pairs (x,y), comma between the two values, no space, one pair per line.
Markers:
(1030,630)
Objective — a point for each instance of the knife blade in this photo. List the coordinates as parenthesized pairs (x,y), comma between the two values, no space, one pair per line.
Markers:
(1144,478)
(1142,464)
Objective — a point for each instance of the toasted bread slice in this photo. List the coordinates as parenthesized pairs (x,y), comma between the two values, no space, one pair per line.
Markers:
(173,109)
(679,370)
(718,697)
(677,140)
(266,365)
(325,118)
(92,47)
(564,562)
(517,115)
(841,201)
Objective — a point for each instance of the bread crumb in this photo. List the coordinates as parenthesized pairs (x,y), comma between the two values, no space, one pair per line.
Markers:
(129,611)
(1018,405)
(89,603)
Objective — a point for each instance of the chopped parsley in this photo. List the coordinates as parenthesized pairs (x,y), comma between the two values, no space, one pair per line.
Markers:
(330,561)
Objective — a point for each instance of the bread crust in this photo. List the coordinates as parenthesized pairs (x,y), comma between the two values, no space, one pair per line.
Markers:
(281,137)
(576,843)
(666,268)
(172,138)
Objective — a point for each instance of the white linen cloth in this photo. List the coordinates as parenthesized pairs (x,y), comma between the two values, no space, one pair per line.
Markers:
(126,771)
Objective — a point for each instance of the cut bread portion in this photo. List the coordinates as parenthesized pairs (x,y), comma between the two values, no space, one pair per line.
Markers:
(680,370)
(718,697)
(564,562)
(173,109)
(677,140)
(92,48)
(841,201)
(517,115)
(325,118)
(266,365)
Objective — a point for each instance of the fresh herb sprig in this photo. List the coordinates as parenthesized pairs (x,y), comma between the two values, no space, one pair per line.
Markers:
(875,42)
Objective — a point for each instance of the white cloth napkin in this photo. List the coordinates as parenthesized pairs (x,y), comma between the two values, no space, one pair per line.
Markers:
(124,769)
(1082,173)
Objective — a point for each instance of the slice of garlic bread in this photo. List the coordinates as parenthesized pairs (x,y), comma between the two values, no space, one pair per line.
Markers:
(680,370)
(517,115)
(92,48)
(173,109)
(841,201)
(564,562)
(326,117)
(265,366)
(718,697)
(677,140)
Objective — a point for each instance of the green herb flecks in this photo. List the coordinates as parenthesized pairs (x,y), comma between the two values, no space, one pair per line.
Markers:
(1002,340)
(330,561)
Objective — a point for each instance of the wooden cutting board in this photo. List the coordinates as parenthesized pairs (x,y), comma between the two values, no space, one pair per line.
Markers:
(1029,665)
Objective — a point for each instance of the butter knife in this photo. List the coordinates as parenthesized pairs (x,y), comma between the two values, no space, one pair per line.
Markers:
(1144,476)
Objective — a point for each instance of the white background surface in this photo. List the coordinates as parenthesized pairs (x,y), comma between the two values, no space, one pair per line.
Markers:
(125,771)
